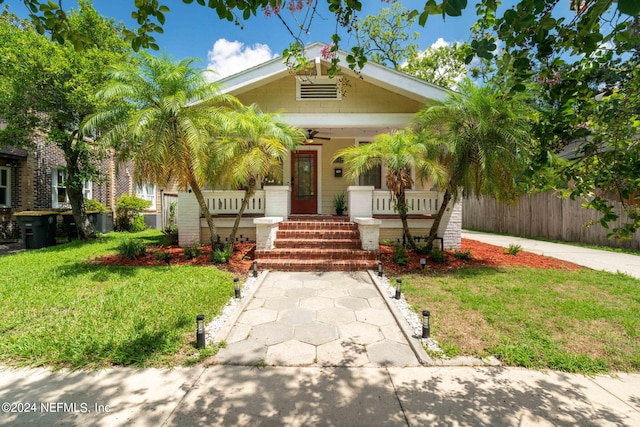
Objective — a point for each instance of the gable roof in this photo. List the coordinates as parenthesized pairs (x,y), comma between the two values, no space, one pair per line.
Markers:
(376,74)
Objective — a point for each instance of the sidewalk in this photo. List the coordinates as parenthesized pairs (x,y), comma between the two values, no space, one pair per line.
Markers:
(247,396)
(613,262)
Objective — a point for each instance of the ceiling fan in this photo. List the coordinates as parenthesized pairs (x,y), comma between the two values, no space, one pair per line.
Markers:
(311,135)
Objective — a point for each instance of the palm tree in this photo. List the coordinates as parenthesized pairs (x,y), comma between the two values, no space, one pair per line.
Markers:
(256,143)
(484,138)
(164,114)
(401,152)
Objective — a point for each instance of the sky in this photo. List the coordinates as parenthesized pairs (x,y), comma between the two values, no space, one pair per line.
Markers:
(195,31)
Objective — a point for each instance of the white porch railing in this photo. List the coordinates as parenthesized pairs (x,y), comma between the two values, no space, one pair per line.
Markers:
(418,202)
(229,202)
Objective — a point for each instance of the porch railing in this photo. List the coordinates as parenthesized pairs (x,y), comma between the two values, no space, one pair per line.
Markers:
(418,202)
(229,202)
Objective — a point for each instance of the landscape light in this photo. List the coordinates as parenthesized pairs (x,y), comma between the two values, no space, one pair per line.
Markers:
(398,288)
(254,267)
(426,326)
(236,287)
(379,269)
(200,338)
(423,262)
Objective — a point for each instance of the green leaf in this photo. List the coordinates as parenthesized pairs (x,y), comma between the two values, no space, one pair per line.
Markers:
(629,7)
(454,7)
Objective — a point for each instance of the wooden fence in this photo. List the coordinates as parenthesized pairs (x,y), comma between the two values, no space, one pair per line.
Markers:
(543,215)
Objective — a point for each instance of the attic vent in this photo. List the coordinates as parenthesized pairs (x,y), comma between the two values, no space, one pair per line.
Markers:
(321,89)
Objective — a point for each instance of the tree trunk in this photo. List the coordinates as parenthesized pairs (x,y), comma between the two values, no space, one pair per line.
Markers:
(433,233)
(74,186)
(249,193)
(402,211)
(207,215)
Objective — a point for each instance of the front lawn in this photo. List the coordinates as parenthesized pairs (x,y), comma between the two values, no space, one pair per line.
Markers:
(60,310)
(575,321)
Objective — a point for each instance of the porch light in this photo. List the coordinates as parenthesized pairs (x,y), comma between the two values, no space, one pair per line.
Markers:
(426,326)
(236,287)
(423,262)
(200,338)
(379,269)
(398,288)
(254,268)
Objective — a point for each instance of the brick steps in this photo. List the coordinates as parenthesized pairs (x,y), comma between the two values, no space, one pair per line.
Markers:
(316,265)
(304,244)
(318,243)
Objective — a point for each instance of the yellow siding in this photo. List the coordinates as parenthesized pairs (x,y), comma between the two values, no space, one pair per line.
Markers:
(331,186)
(361,97)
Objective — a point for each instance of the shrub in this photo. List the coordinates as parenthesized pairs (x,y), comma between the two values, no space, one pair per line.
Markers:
(171,232)
(400,256)
(514,249)
(163,256)
(93,205)
(463,255)
(221,256)
(132,249)
(191,252)
(128,209)
(437,255)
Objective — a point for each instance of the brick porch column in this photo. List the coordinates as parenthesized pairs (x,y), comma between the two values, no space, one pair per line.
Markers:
(266,229)
(277,201)
(188,219)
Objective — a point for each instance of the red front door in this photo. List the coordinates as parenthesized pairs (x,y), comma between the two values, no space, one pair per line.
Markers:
(304,180)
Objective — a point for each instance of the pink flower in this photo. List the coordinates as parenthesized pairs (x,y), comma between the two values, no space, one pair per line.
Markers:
(327,52)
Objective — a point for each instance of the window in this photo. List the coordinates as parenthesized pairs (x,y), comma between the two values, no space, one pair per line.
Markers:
(5,187)
(372,177)
(147,192)
(319,89)
(60,197)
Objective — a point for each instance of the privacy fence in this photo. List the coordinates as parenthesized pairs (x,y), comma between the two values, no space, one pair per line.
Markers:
(543,215)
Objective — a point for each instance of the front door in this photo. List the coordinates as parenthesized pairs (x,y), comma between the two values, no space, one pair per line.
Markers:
(304,182)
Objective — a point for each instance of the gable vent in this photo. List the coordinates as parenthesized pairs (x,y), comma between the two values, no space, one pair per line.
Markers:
(319,90)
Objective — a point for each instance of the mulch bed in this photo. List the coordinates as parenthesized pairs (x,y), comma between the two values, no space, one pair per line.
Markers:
(482,254)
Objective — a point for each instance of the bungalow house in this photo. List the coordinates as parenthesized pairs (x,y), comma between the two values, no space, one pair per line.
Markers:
(33,179)
(336,113)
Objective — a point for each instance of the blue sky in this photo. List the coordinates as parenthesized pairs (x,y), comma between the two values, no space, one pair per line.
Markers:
(196,31)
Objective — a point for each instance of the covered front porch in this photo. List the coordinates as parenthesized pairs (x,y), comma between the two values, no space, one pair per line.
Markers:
(372,210)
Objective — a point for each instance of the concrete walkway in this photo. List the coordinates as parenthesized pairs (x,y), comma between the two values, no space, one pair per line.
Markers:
(595,259)
(296,396)
(316,319)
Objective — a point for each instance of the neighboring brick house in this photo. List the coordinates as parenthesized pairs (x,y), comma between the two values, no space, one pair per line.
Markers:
(33,179)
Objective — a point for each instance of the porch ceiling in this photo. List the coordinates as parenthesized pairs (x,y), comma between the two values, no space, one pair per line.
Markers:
(347,125)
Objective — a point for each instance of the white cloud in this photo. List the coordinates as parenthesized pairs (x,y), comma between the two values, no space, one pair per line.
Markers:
(229,57)
(440,43)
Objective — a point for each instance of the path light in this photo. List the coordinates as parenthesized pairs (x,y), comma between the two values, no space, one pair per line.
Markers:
(423,262)
(200,339)
(236,287)
(254,268)
(379,269)
(426,326)
(398,288)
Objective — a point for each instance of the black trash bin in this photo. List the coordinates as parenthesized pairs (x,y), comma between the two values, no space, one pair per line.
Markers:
(38,228)
(69,225)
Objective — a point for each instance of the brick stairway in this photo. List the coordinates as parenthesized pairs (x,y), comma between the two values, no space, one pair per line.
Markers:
(317,244)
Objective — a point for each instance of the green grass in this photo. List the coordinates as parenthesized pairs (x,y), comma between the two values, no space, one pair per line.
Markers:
(61,311)
(583,321)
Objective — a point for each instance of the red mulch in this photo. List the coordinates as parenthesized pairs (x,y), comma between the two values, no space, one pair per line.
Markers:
(482,254)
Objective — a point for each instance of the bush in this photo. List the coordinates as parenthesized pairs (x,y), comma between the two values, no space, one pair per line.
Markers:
(93,205)
(437,255)
(171,232)
(191,252)
(400,256)
(221,256)
(463,255)
(128,209)
(132,249)
(514,249)
(163,256)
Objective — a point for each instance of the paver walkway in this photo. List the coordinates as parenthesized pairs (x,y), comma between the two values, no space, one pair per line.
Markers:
(317,319)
